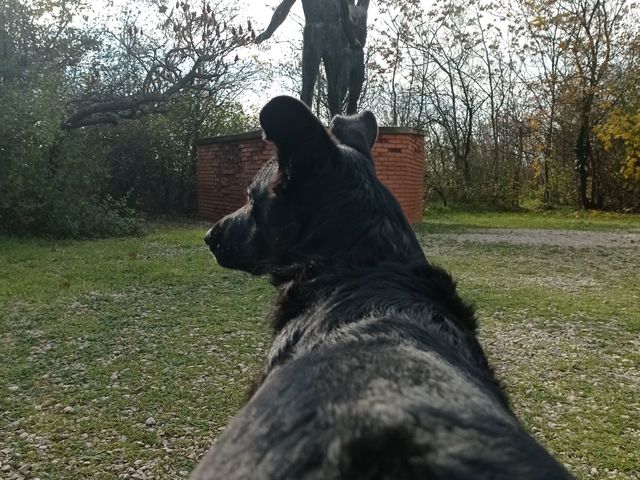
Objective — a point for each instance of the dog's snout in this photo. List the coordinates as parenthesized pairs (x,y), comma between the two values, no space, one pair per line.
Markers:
(210,236)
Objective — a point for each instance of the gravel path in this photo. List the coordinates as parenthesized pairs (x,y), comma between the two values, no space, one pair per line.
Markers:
(560,238)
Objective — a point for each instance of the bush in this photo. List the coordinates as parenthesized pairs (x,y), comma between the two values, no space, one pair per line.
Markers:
(93,217)
(50,180)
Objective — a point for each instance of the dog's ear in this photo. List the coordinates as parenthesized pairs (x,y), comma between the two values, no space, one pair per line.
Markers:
(357,131)
(296,132)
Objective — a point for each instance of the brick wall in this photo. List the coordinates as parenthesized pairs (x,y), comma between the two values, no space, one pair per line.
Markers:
(227,164)
(399,158)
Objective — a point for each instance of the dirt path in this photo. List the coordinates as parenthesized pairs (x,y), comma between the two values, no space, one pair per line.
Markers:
(560,238)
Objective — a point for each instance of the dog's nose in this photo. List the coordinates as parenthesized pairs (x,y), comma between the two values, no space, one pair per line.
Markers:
(207,236)
(212,236)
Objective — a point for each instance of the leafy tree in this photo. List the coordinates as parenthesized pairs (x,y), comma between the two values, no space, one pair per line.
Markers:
(595,33)
(619,132)
(65,84)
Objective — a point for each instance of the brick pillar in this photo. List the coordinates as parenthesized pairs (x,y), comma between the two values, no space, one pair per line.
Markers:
(399,157)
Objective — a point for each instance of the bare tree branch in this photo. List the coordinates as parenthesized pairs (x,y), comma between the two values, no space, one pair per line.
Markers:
(194,52)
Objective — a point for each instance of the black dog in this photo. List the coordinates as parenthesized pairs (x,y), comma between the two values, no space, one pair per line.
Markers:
(375,371)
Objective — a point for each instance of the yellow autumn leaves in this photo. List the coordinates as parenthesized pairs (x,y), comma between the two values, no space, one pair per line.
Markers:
(622,130)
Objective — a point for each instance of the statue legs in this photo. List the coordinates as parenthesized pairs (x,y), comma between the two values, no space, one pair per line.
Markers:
(311,56)
(343,65)
(335,68)
(356,79)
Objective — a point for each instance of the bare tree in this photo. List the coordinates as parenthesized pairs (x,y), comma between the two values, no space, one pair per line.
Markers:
(193,48)
(539,40)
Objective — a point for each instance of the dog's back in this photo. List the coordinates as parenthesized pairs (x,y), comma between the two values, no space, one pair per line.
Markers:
(375,371)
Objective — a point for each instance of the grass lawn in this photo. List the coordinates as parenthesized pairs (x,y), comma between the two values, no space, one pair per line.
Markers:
(444,219)
(124,358)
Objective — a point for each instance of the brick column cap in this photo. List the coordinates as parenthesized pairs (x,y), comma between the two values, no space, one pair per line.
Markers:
(402,131)
(253,135)
(257,134)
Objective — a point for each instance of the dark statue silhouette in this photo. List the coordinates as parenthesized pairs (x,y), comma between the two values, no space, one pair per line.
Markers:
(335,33)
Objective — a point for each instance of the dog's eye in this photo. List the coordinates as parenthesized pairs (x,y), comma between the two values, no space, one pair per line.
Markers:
(253,207)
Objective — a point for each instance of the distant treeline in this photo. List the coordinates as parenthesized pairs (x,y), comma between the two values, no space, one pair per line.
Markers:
(525,100)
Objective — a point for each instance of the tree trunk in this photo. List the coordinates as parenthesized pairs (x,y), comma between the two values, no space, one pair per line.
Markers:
(546,194)
(583,151)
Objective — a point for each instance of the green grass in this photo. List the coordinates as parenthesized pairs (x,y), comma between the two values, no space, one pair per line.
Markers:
(97,337)
(444,219)
(120,331)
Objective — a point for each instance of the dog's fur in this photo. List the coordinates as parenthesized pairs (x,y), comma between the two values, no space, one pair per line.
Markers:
(375,371)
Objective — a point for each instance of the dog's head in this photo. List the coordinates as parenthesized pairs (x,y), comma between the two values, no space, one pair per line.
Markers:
(318,201)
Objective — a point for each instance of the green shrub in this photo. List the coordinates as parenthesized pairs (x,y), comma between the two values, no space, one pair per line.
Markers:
(50,180)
